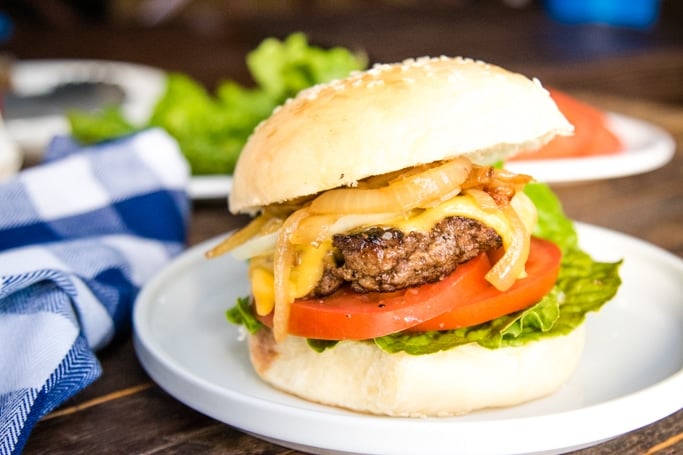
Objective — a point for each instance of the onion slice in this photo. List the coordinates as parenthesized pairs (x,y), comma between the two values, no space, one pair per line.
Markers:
(401,194)
(237,238)
(526,210)
(317,228)
(255,246)
(510,266)
(284,257)
(483,199)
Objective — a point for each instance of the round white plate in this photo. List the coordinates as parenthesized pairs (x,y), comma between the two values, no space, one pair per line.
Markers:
(142,86)
(646,148)
(631,373)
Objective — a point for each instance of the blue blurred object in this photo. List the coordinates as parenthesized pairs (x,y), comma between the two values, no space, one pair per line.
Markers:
(6,27)
(628,13)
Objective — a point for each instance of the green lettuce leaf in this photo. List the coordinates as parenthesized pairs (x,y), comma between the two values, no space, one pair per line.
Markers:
(283,68)
(552,222)
(242,314)
(109,123)
(321,345)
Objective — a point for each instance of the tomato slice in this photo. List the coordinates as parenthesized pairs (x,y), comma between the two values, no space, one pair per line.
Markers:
(542,268)
(461,299)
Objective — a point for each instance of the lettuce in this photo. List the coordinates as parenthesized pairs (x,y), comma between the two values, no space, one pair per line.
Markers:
(109,123)
(283,68)
(211,129)
(242,314)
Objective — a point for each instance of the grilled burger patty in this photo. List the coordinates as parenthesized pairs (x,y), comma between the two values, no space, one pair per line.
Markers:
(387,259)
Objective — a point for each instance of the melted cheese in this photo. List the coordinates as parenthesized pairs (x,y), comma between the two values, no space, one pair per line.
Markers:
(464,206)
(262,284)
(309,268)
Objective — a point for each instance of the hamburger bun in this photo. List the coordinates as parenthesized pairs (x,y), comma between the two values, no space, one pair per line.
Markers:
(362,377)
(388,118)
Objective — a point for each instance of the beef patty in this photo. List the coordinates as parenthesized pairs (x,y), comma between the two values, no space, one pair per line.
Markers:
(385,259)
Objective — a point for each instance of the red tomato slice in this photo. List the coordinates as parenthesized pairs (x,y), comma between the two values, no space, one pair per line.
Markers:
(347,315)
(542,269)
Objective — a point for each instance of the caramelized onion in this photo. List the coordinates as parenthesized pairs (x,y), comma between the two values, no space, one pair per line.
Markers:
(483,199)
(500,184)
(313,229)
(283,260)
(253,239)
(526,210)
(510,266)
(238,237)
(255,246)
(404,193)
(317,228)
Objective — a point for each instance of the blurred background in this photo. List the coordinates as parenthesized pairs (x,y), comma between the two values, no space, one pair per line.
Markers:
(555,40)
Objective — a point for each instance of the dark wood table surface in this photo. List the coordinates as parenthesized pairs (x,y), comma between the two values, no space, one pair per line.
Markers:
(635,72)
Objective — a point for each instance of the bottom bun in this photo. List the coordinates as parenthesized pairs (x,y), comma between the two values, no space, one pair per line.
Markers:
(361,377)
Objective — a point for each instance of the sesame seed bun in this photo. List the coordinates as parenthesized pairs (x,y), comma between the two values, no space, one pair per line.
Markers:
(388,118)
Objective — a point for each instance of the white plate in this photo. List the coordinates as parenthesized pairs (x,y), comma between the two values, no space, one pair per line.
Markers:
(630,375)
(142,86)
(209,186)
(646,148)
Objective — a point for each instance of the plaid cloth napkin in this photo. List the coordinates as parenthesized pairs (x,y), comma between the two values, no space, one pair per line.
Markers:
(79,235)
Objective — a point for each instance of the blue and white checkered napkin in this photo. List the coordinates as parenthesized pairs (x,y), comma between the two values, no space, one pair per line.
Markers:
(79,235)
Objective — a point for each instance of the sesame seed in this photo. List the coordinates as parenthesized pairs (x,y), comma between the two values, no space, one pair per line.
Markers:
(374,72)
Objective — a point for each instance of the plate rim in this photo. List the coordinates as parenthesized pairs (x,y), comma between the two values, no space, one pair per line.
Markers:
(149,357)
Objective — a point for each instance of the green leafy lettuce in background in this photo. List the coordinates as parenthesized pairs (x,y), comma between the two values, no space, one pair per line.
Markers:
(211,129)
(583,285)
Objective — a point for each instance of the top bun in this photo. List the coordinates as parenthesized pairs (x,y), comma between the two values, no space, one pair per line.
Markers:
(388,118)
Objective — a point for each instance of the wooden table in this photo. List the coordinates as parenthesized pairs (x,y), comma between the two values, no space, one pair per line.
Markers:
(638,73)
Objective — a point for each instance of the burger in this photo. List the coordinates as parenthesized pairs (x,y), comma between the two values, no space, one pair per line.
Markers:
(396,267)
